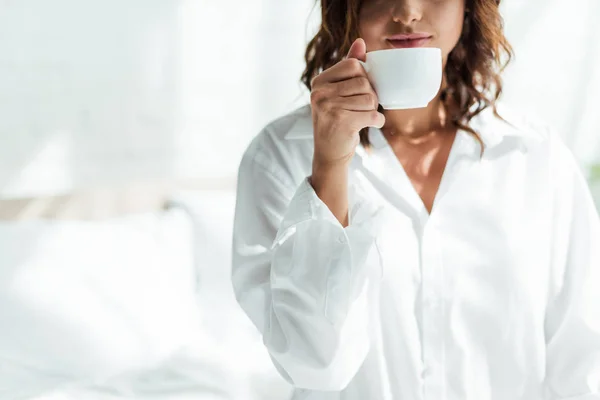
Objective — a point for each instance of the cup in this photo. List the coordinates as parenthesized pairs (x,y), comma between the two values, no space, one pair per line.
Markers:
(405,78)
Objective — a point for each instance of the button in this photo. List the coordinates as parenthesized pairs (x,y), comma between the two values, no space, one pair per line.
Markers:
(426,373)
(334,291)
(431,303)
(315,204)
(342,238)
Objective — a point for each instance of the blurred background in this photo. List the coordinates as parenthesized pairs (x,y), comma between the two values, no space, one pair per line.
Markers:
(122,124)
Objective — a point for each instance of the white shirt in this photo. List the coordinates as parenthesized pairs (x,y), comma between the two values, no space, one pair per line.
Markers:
(494,296)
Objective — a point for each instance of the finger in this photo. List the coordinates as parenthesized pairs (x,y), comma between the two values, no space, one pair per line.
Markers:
(358,50)
(348,68)
(361,102)
(376,119)
(364,119)
(345,69)
(353,86)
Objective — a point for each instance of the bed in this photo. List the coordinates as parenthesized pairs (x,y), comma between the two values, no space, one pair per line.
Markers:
(124,293)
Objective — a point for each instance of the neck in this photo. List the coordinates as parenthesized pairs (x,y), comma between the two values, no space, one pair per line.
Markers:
(419,123)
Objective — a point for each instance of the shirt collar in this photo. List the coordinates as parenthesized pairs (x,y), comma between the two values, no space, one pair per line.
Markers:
(302,127)
(510,132)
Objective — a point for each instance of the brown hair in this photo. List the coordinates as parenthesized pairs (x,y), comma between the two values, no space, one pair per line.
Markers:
(472,73)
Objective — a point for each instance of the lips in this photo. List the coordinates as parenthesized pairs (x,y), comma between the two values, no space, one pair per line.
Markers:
(409,40)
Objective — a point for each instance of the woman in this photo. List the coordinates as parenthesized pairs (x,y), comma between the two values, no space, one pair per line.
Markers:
(439,253)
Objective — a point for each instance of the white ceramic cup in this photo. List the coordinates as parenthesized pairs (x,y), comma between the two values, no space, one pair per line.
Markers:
(405,78)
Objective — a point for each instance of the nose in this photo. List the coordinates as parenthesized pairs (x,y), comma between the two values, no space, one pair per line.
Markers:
(407,11)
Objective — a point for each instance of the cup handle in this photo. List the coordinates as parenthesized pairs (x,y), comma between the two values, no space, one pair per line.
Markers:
(365,65)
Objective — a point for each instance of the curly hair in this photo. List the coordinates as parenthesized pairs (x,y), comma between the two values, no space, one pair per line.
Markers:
(472,71)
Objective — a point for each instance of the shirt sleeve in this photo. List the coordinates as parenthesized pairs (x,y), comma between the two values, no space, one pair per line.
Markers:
(306,282)
(573,315)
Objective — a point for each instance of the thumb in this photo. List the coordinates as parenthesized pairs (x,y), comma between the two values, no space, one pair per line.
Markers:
(358,50)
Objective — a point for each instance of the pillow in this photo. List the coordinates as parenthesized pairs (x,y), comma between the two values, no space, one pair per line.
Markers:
(83,301)
(241,349)
(196,374)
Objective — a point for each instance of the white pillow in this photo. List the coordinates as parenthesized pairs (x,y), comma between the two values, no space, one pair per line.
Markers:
(85,301)
(241,349)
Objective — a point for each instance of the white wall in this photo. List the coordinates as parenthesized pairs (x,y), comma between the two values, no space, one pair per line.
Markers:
(556,73)
(85,88)
(109,91)
(242,63)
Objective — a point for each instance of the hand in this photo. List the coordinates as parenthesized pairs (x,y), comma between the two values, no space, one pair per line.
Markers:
(343,102)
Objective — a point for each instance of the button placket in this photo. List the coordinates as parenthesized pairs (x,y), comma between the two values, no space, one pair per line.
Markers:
(432,317)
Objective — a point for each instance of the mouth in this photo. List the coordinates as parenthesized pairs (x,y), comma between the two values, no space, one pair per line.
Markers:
(409,40)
